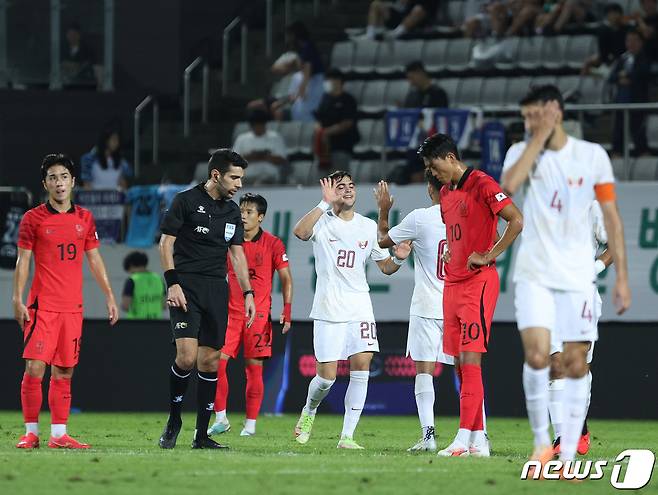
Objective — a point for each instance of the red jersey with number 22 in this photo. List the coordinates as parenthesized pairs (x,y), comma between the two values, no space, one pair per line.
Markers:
(470,211)
(265,254)
(58,242)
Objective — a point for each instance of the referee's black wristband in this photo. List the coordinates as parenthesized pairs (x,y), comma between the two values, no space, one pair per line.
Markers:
(245,292)
(171,277)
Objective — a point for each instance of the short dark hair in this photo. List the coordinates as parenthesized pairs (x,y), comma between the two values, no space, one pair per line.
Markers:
(56,159)
(257,199)
(613,7)
(335,73)
(223,158)
(433,181)
(74,26)
(543,94)
(135,259)
(338,175)
(438,146)
(415,66)
(258,116)
(636,32)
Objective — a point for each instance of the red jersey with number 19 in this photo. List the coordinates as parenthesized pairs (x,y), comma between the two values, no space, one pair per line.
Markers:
(470,211)
(58,241)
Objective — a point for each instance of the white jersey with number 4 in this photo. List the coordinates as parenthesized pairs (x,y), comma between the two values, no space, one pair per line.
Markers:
(556,245)
(426,229)
(341,249)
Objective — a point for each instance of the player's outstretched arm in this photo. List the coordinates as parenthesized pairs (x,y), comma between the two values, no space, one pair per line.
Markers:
(239,262)
(286,288)
(304,227)
(615,229)
(97,269)
(392,264)
(21,274)
(384,205)
(514,226)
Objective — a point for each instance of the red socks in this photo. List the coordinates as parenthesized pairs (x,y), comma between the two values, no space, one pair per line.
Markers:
(31,398)
(222,386)
(471,397)
(59,400)
(255,388)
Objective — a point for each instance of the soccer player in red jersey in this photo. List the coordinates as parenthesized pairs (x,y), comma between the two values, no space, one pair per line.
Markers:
(57,233)
(471,203)
(265,254)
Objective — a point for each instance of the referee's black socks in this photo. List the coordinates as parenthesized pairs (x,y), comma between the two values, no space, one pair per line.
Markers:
(206,388)
(178,380)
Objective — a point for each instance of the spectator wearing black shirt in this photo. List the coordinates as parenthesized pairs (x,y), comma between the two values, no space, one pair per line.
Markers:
(309,91)
(611,39)
(78,60)
(630,74)
(647,25)
(423,92)
(202,226)
(336,124)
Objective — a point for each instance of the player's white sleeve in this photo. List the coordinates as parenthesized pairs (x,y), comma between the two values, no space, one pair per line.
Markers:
(513,154)
(377,253)
(406,230)
(603,166)
(319,225)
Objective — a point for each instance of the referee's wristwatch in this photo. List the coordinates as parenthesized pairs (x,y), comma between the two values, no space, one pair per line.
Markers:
(246,292)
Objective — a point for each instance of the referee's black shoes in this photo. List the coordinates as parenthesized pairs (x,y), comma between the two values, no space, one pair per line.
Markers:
(170,433)
(207,443)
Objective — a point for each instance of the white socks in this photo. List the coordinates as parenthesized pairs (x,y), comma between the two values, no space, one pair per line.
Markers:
(220,416)
(589,391)
(355,399)
(57,430)
(555,393)
(576,391)
(424,391)
(535,385)
(250,425)
(32,428)
(463,437)
(317,390)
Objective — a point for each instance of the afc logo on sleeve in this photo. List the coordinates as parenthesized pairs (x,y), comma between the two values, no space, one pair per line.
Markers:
(500,196)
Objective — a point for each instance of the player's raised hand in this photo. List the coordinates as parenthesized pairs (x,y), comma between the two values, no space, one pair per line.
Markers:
(403,250)
(546,120)
(621,296)
(21,314)
(249,309)
(329,193)
(383,196)
(476,260)
(112,310)
(176,297)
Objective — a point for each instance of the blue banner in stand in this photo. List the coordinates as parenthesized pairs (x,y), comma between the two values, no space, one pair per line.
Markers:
(492,142)
(107,208)
(455,123)
(401,126)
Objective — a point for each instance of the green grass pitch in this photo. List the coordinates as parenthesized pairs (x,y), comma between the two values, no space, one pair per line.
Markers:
(126,460)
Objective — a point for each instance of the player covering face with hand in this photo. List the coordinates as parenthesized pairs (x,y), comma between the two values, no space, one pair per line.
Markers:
(343,319)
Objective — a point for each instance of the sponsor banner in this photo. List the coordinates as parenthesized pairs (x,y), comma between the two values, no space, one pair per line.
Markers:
(107,208)
(407,128)
(492,142)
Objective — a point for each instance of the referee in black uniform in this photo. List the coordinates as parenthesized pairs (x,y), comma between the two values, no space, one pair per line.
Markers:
(202,224)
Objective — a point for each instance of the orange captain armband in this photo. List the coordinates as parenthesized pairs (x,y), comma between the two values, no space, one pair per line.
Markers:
(605,192)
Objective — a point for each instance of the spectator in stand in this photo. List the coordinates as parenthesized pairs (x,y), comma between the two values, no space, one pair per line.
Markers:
(513,17)
(631,74)
(398,17)
(423,93)
(264,150)
(336,125)
(143,296)
(611,39)
(557,14)
(104,167)
(647,25)
(78,61)
(288,64)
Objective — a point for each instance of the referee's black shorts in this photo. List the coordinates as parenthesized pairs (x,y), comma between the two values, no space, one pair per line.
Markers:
(207,311)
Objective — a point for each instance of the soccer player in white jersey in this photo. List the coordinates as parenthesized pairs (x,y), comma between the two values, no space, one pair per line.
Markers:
(427,232)
(343,319)
(599,238)
(554,266)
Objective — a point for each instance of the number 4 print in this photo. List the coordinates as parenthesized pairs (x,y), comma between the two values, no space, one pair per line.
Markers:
(586,314)
(556,202)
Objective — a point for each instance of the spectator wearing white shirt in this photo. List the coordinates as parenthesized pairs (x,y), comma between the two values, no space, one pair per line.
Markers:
(264,150)
(104,166)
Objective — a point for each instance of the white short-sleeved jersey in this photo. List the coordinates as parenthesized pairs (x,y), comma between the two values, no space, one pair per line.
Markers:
(426,229)
(341,250)
(599,234)
(556,241)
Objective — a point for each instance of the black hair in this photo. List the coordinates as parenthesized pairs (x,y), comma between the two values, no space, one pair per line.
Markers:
(135,259)
(415,66)
(338,175)
(334,73)
(637,32)
(543,94)
(74,26)
(223,158)
(257,199)
(101,146)
(613,7)
(258,116)
(433,181)
(438,146)
(56,159)
(299,31)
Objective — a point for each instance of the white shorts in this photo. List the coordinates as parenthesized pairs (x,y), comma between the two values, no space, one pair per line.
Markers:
(571,315)
(556,343)
(334,341)
(425,340)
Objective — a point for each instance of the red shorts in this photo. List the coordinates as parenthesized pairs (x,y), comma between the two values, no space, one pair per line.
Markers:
(468,309)
(257,340)
(53,338)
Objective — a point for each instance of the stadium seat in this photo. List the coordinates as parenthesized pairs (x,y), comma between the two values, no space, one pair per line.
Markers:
(365,130)
(542,80)
(591,90)
(469,92)
(449,85)
(458,54)
(568,85)
(645,168)
(554,52)
(365,55)
(434,54)
(303,172)
(509,56)
(377,137)
(493,91)
(580,48)
(530,50)
(355,88)
(372,171)
(456,12)
(306,138)
(652,131)
(239,128)
(393,57)
(618,169)
(341,55)
(517,88)
(396,92)
(372,99)
(290,132)
(280,87)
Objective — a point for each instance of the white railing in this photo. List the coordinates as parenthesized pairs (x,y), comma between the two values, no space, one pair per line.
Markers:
(226,63)
(186,93)
(156,131)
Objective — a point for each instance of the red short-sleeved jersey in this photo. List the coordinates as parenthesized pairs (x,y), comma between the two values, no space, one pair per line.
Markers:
(470,211)
(265,254)
(58,242)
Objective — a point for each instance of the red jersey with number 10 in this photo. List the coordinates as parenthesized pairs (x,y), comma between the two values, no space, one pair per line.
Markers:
(265,254)
(58,242)
(470,211)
